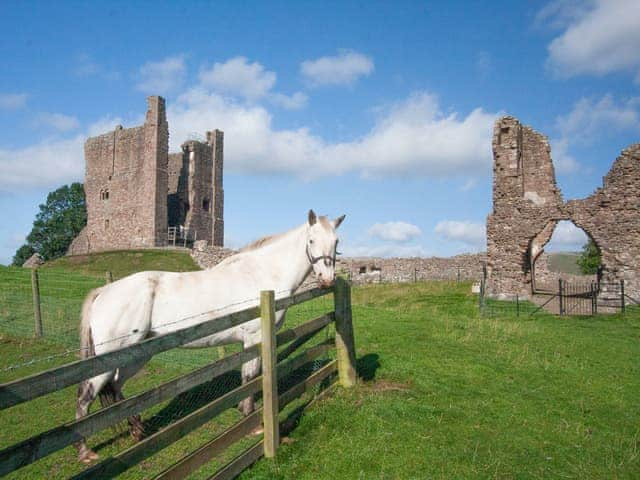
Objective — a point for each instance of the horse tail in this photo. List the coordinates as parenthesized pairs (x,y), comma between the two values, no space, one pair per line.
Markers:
(87,349)
(107,394)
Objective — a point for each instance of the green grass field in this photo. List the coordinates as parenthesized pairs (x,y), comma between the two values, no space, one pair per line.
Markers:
(444,393)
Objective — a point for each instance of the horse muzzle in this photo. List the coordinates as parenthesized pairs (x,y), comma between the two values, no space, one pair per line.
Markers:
(326,283)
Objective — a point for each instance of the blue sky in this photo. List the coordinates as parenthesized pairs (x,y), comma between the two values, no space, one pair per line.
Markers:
(380,110)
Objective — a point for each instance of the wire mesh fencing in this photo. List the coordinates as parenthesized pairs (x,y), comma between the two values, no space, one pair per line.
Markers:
(56,299)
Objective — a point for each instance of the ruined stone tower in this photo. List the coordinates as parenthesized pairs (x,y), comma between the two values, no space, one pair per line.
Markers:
(135,189)
(193,201)
(527,205)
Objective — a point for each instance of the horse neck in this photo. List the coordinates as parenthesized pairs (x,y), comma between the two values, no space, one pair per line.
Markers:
(288,258)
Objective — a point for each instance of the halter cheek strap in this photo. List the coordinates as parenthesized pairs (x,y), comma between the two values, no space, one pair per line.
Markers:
(313,260)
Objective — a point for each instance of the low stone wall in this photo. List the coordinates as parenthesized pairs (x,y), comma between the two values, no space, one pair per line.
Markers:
(398,270)
(374,270)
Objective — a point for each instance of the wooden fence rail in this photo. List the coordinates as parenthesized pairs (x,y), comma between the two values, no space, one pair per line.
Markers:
(39,446)
(28,388)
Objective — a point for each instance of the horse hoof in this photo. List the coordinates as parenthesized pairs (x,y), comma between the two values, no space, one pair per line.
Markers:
(89,457)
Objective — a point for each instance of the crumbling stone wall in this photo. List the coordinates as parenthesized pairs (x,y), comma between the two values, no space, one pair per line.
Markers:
(193,201)
(527,205)
(207,256)
(132,185)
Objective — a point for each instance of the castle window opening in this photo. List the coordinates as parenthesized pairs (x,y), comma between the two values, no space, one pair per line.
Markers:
(206,204)
(104,194)
(106,224)
(362,270)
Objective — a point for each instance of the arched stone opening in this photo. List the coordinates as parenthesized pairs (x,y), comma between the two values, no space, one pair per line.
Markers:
(554,254)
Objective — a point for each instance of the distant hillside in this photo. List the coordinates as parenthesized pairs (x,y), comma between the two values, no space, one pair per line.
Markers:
(123,263)
(564,262)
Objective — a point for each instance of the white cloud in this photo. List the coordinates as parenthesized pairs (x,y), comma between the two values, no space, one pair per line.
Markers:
(161,77)
(107,124)
(414,137)
(566,236)
(85,66)
(289,102)
(468,185)
(590,118)
(239,77)
(13,101)
(341,69)
(57,121)
(599,37)
(484,63)
(51,162)
(588,121)
(563,161)
(394,231)
(467,232)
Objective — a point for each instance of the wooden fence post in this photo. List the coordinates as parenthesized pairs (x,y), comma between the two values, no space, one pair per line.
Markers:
(345,347)
(35,288)
(108,277)
(269,376)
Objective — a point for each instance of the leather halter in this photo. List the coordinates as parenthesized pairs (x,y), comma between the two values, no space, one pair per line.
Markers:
(313,260)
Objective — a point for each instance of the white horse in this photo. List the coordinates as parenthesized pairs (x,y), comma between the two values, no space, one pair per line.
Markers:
(146,304)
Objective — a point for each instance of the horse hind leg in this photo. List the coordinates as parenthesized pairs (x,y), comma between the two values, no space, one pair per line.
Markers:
(136,427)
(88,391)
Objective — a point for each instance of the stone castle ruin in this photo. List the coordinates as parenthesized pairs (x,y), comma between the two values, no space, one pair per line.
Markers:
(137,192)
(527,205)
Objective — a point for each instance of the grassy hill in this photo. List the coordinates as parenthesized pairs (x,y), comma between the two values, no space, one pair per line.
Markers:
(123,263)
(564,262)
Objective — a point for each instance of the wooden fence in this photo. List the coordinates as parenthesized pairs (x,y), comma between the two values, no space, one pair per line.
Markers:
(274,366)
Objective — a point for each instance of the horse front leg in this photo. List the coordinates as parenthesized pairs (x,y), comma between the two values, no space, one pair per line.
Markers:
(249,371)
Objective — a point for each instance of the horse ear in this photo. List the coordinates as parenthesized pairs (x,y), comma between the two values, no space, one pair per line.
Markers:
(338,221)
(312,218)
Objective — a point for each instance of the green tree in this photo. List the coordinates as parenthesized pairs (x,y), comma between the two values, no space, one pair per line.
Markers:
(589,259)
(23,254)
(56,225)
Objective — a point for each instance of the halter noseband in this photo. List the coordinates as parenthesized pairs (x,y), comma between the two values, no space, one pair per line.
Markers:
(313,260)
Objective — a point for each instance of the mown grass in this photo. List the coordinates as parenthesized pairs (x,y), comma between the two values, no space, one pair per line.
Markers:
(452,395)
(444,394)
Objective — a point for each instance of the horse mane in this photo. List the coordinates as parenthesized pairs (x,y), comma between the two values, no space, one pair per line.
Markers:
(261,242)
(269,239)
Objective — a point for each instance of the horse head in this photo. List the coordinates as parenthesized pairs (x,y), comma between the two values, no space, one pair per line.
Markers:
(322,244)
